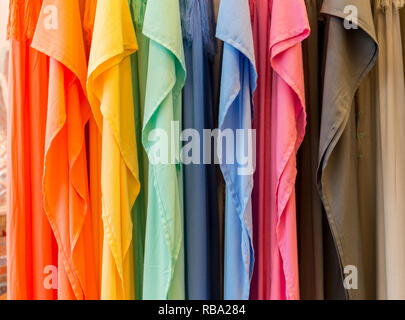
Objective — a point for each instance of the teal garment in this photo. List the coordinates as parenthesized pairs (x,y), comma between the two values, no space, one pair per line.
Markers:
(139,63)
(164,245)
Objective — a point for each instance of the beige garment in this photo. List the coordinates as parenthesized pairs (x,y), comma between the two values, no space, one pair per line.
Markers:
(390,153)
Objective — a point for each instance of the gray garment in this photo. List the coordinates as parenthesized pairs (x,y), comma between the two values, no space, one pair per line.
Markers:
(350,55)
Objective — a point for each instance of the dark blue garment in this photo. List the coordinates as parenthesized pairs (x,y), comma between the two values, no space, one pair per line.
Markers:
(202,265)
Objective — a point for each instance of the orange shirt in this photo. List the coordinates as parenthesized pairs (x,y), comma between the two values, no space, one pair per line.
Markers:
(31,247)
(59,34)
(94,148)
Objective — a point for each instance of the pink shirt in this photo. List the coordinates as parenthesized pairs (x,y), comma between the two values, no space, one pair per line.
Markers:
(280,101)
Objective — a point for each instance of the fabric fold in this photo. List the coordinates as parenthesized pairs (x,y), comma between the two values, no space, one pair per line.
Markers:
(109,87)
(31,246)
(236,106)
(288,88)
(200,191)
(65,179)
(139,66)
(350,55)
(164,245)
(280,119)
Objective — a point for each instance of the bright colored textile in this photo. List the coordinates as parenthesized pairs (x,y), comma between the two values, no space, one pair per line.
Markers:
(164,246)
(59,34)
(139,64)
(281,131)
(109,89)
(31,247)
(236,105)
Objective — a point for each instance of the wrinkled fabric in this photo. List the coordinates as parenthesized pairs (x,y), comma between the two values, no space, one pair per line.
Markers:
(164,243)
(65,180)
(279,29)
(350,55)
(200,192)
(139,65)
(390,152)
(31,246)
(236,105)
(94,154)
(109,87)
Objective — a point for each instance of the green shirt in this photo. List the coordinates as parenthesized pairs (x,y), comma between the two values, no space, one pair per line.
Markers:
(164,247)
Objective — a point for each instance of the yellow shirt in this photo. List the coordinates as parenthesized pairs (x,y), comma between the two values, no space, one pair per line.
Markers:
(109,89)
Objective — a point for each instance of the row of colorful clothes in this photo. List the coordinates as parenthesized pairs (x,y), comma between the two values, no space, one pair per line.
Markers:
(92,212)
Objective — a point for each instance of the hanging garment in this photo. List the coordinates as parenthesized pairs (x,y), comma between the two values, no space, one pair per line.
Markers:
(59,34)
(351,52)
(110,93)
(94,154)
(31,247)
(164,246)
(216,84)
(200,192)
(235,113)
(309,205)
(280,119)
(139,63)
(390,152)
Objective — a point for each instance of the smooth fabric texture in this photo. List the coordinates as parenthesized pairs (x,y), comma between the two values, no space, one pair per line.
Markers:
(391,153)
(236,106)
(320,275)
(164,243)
(281,128)
(139,65)
(350,55)
(65,180)
(31,246)
(94,154)
(110,94)
(200,191)
(309,205)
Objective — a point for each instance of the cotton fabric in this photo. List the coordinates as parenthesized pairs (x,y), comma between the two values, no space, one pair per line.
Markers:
(164,243)
(236,101)
(31,246)
(309,206)
(281,130)
(109,87)
(350,55)
(139,66)
(200,191)
(390,153)
(65,184)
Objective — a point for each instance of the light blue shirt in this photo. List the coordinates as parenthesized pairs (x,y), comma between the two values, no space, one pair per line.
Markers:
(236,106)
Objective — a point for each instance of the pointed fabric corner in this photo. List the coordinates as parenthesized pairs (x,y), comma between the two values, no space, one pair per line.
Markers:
(164,243)
(109,87)
(65,178)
